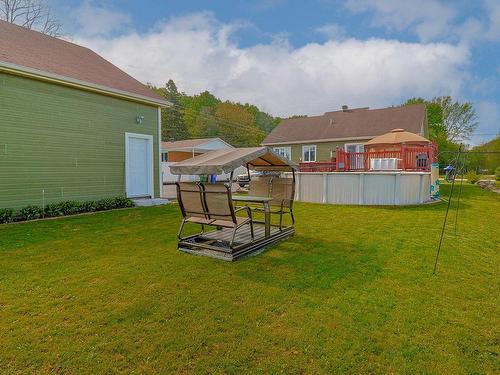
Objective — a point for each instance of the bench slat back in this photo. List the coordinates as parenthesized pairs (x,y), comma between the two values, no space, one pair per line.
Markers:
(260,186)
(189,196)
(218,202)
(282,192)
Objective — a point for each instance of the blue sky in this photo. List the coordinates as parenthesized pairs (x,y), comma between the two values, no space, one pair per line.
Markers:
(304,57)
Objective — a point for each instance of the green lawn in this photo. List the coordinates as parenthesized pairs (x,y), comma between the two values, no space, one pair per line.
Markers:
(352,292)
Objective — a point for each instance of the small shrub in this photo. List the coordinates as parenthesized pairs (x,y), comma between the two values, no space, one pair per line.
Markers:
(54,210)
(104,204)
(88,206)
(112,203)
(123,202)
(71,207)
(30,213)
(472,177)
(497,174)
(6,215)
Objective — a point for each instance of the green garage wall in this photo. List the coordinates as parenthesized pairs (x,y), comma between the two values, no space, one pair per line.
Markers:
(59,143)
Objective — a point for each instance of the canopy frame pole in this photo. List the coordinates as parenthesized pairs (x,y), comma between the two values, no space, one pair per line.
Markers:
(248,172)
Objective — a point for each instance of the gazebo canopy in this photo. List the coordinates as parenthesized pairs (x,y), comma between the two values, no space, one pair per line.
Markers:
(227,160)
(397,136)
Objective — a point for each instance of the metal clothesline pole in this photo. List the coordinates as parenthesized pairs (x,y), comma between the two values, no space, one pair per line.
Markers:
(446,214)
(460,190)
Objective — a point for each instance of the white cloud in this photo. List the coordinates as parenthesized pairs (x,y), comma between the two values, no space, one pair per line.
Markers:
(471,30)
(493,8)
(98,20)
(332,31)
(197,52)
(429,19)
(432,19)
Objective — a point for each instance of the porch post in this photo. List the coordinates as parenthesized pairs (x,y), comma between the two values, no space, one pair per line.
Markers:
(403,156)
(337,159)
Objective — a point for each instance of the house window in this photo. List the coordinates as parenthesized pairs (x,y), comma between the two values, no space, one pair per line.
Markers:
(309,153)
(286,152)
(354,147)
(164,156)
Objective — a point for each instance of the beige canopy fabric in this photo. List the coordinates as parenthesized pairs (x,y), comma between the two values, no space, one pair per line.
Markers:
(397,136)
(227,160)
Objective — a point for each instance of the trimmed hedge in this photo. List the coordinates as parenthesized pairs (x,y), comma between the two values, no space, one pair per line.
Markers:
(65,208)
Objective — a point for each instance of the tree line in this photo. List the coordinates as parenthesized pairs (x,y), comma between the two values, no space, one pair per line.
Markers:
(204,116)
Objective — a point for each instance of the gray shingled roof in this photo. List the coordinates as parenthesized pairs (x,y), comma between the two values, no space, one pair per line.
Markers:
(351,124)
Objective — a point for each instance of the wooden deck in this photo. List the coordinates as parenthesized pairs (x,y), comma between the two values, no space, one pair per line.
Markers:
(215,243)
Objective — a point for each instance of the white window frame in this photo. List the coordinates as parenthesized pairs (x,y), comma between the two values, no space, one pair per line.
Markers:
(309,147)
(285,151)
(362,148)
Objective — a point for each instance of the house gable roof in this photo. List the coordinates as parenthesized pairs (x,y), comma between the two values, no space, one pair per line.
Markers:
(189,144)
(362,123)
(20,47)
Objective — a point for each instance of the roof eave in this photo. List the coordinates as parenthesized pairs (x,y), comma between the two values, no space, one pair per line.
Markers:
(196,146)
(82,85)
(318,140)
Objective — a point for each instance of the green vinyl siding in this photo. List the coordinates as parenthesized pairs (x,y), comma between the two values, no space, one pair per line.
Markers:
(59,143)
(324,150)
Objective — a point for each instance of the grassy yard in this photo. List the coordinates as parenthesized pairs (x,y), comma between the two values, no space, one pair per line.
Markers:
(352,292)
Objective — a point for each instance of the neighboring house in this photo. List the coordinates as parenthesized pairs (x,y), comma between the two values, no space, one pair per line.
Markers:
(72,125)
(315,138)
(176,151)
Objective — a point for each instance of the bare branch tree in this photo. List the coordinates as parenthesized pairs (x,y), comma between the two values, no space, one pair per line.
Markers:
(32,14)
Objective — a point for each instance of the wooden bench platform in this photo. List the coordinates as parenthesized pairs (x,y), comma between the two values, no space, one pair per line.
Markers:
(215,243)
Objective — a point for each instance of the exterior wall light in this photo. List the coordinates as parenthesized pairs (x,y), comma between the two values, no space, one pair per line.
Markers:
(139,119)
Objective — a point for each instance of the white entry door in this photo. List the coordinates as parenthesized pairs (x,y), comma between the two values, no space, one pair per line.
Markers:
(139,165)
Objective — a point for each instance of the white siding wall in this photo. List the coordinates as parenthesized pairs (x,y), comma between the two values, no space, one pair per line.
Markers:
(373,188)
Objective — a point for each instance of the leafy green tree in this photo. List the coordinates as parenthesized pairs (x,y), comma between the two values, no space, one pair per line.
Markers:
(266,122)
(450,123)
(237,125)
(195,108)
(434,117)
(204,124)
(172,118)
(459,119)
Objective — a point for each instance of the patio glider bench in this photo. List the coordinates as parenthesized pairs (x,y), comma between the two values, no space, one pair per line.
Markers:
(281,190)
(212,205)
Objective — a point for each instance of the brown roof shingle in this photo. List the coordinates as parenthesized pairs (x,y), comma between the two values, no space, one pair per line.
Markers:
(353,123)
(35,50)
